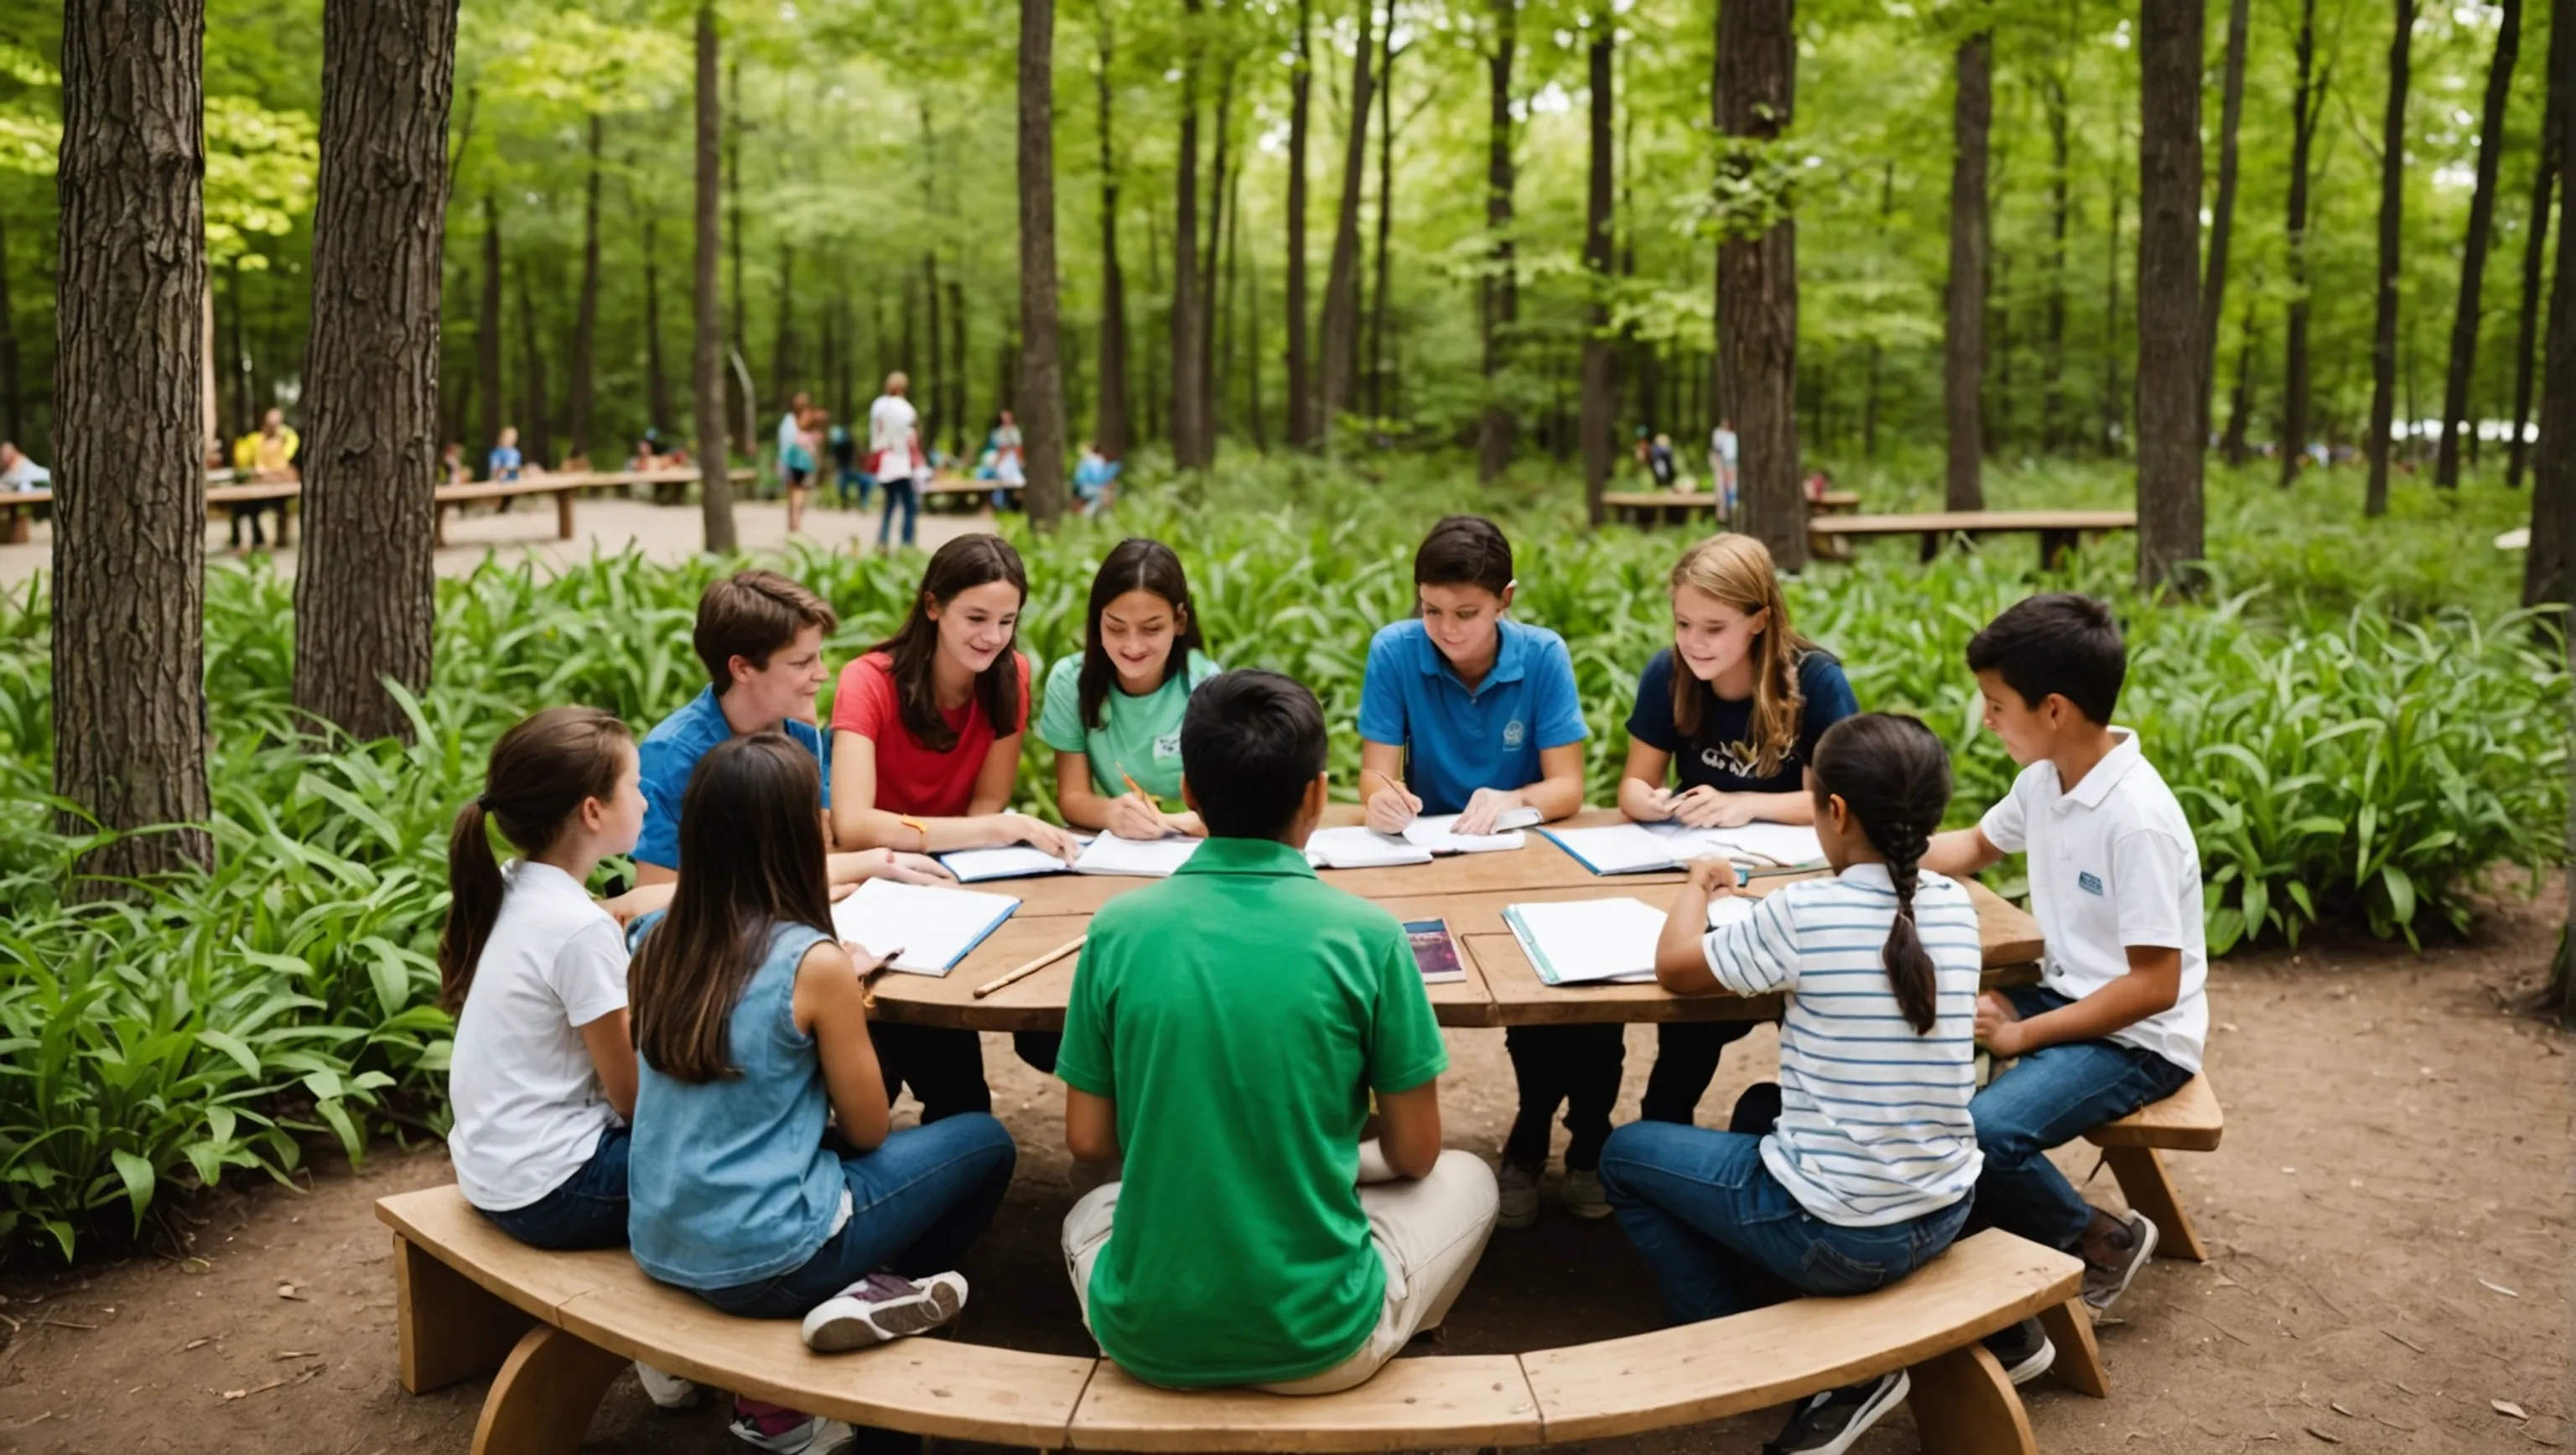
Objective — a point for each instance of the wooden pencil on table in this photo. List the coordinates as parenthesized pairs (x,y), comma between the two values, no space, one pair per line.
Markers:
(1029,969)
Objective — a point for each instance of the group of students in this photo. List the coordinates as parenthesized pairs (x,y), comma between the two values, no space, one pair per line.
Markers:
(733,1127)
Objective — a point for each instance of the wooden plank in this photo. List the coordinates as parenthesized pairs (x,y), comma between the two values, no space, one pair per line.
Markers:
(941,1387)
(1973,522)
(1963,1405)
(1722,1367)
(546,1392)
(2187,1121)
(1411,1404)
(2078,1365)
(447,1327)
(442,1224)
(2150,1190)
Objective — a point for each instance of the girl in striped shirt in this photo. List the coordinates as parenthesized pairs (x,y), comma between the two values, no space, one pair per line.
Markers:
(1866,1169)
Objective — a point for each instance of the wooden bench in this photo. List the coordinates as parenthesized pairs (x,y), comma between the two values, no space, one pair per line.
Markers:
(558,1327)
(563,487)
(18,514)
(2059,531)
(2187,1121)
(953,488)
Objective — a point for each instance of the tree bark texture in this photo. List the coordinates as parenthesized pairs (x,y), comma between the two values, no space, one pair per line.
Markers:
(2473,254)
(1498,295)
(1112,427)
(487,337)
(2307,108)
(2169,451)
(1041,383)
(2392,202)
(585,321)
(1377,360)
(2549,566)
(1597,403)
(2061,177)
(1757,282)
(129,524)
(12,396)
(1341,341)
(365,593)
(715,478)
(1188,427)
(1302,433)
(656,385)
(2535,254)
(1212,255)
(2222,211)
(536,437)
(1964,345)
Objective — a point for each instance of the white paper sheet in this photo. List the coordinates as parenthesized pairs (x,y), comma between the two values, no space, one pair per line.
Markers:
(1141,859)
(933,926)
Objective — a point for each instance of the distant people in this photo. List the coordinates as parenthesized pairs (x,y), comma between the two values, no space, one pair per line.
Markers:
(895,455)
(451,465)
(1818,481)
(791,426)
(843,448)
(1010,464)
(796,451)
(504,463)
(17,472)
(1659,461)
(266,455)
(1095,481)
(1721,467)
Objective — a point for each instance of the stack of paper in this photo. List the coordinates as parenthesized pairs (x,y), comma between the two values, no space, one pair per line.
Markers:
(1012,861)
(1631,848)
(1588,941)
(1360,848)
(1137,858)
(933,928)
(1438,833)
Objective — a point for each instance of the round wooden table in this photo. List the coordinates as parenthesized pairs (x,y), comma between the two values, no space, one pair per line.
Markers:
(1467,890)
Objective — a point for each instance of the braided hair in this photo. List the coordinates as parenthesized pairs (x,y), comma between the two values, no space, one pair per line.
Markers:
(1893,774)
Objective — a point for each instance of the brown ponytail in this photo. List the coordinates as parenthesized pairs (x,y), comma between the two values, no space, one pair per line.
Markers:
(1894,775)
(540,773)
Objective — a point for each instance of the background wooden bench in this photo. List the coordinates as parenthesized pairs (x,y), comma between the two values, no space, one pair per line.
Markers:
(2187,1121)
(2058,530)
(558,1327)
(563,487)
(946,488)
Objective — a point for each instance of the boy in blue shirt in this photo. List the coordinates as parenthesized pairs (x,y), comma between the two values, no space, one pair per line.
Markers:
(1464,711)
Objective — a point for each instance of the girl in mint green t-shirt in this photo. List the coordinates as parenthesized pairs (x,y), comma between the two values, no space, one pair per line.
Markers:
(1113,714)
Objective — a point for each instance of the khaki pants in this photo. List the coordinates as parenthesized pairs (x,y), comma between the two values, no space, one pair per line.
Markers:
(1428,1233)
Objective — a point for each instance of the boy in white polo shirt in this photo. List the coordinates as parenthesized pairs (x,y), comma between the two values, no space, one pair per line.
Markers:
(2119,1016)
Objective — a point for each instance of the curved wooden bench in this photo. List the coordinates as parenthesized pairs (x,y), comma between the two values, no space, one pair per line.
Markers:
(557,1328)
(2187,1121)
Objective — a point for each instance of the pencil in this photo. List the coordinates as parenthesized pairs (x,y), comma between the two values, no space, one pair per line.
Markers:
(1029,969)
(1132,785)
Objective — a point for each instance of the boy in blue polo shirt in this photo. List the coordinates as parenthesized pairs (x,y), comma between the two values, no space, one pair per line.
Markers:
(1464,711)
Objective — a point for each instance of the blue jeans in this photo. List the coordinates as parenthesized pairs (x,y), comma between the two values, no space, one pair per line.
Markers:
(2049,1098)
(898,492)
(852,481)
(1722,1236)
(917,1202)
(587,1211)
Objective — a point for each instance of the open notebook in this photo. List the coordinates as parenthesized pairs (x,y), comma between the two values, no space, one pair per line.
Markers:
(933,927)
(1636,848)
(1422,839)
(1137,858)
(1600,941)
(1011,861)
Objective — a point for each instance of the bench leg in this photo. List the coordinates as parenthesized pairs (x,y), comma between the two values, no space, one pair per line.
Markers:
(438,527)
(1963,1405)
(2141,1175)
(2079,1359)
(563,515)
(1931,546)
(16,531)
(2053,546)
(542,1401)
(451,1327)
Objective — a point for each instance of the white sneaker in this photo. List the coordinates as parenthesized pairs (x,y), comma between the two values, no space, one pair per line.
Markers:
(1519,1189)
(814,1436)
(1583,1195)
(667,1391)
(881,1307)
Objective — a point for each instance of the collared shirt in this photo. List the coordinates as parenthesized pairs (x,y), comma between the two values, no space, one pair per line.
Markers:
(1457,741)
(1137,735)
(2112,864)
(1240,1013)
(670,753)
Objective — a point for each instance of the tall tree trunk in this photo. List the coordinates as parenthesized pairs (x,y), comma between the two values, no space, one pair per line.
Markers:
(2052,393)
(129,526)
(1757,280)
(785,361)
(2549,566)
(1385,221)
(1254,403)
(1964,348)
(1341,342)
(957,421)
(1302,431)
(11,395)
(487,335)
(2473,254)
(1597,382)
(1869,402)
(1498,292)
(2544,174)
(2392,201)
(2307,108)
(932,393)
(536,436)
(715,477)
(657,388)
(1214,254)
(2241,409)
(2222,212)
(1189,445)
(2169,456)
(1112,426)
(1041,385)
(365,593)
(1229,337)
(585,325)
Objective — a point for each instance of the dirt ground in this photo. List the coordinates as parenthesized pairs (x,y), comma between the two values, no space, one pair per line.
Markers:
(2387,1219)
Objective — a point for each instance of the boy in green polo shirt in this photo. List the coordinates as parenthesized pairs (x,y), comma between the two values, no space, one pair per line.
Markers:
(1227,1029)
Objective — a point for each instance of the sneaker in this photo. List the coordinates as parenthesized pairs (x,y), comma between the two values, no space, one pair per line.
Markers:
(2104,1283)
(1518,1186)
(1832,1422)
(884,1306)
(667,1391)
(1583,1195)
(788,1432)
(2023,1350)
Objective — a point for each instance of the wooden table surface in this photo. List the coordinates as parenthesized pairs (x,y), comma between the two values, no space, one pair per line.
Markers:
(1468,890)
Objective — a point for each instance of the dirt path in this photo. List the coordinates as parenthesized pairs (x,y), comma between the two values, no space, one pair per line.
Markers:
(2387,1221)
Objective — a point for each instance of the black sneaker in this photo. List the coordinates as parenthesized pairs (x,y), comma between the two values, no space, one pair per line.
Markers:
(2104,1283)
(2023,1350)
(1831,1422)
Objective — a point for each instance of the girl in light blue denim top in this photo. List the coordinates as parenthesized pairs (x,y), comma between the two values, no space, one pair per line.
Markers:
(752,1033)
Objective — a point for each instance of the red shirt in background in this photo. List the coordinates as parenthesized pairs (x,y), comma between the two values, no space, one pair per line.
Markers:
(911,779)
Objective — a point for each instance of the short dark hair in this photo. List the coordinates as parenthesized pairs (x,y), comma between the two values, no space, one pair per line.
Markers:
(751,614)
(1250,743)
(2056,642)
(1464,550)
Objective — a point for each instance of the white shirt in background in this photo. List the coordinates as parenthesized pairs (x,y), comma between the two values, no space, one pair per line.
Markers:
(892,423)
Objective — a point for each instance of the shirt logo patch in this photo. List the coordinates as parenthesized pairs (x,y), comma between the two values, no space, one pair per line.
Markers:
(1513,733)
(1739,759)
(1168,746)
(2089,882)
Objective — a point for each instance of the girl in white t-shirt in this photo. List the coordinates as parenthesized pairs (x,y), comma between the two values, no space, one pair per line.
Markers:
(543,1075)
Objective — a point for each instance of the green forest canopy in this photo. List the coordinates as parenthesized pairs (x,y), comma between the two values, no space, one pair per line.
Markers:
(872,143)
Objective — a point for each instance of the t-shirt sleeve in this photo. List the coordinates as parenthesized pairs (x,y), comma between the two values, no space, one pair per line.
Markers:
(1650,720)
(1381,695)
(1559,702)
(1828,701)
(1083,1061)
(1757,954)
(1404,1049)
(589,973)
(2147,869)
(664,778)
(864,702)
(1060,719)
(2004,824)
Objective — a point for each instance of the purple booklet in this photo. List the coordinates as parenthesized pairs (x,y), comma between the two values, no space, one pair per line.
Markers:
(1434,951)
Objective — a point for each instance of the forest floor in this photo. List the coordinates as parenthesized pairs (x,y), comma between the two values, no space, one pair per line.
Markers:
(666,534)
(2387,1221)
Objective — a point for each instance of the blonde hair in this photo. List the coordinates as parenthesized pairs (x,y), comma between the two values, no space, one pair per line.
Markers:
(897,382)
(1736,569)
